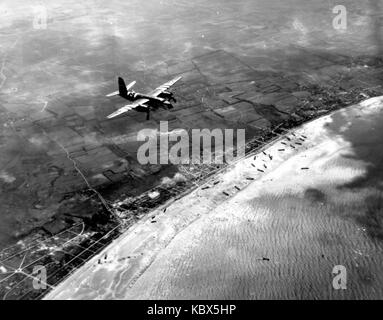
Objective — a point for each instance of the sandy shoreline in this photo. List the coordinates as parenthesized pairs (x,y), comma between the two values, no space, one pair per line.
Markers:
(277,236)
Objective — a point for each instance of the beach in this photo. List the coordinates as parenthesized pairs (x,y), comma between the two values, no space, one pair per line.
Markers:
(273,226)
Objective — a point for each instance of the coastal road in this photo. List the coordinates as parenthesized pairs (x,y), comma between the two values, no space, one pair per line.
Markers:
(273,226)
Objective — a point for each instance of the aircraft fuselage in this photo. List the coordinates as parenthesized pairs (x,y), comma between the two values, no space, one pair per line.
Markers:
(154,101)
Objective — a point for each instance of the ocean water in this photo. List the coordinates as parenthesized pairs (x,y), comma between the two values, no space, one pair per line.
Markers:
(317,207)
(282,236)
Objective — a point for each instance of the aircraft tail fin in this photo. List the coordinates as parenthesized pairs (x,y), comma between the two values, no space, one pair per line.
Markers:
(122,87)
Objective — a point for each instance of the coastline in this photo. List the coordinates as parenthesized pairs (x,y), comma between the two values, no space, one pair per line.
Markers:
(134,264)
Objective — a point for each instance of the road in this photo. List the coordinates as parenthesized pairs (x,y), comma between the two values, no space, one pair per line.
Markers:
(310,201)
(235,57)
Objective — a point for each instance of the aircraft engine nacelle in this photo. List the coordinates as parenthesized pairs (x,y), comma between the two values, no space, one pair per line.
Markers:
(168,105)
(167,95)
(157,103)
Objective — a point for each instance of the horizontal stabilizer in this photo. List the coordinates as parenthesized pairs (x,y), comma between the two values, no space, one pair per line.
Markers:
(130,85)
(122,88)
(115,93)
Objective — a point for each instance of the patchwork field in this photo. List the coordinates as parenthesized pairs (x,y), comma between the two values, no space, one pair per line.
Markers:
(274,226)
(257,65)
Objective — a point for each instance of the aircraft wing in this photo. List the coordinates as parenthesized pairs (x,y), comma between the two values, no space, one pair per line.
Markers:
(164,87)
(128,107)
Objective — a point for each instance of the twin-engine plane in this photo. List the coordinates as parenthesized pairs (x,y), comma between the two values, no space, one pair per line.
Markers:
(159,97)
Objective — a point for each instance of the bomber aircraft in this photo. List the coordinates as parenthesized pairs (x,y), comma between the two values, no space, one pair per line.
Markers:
(159,97)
